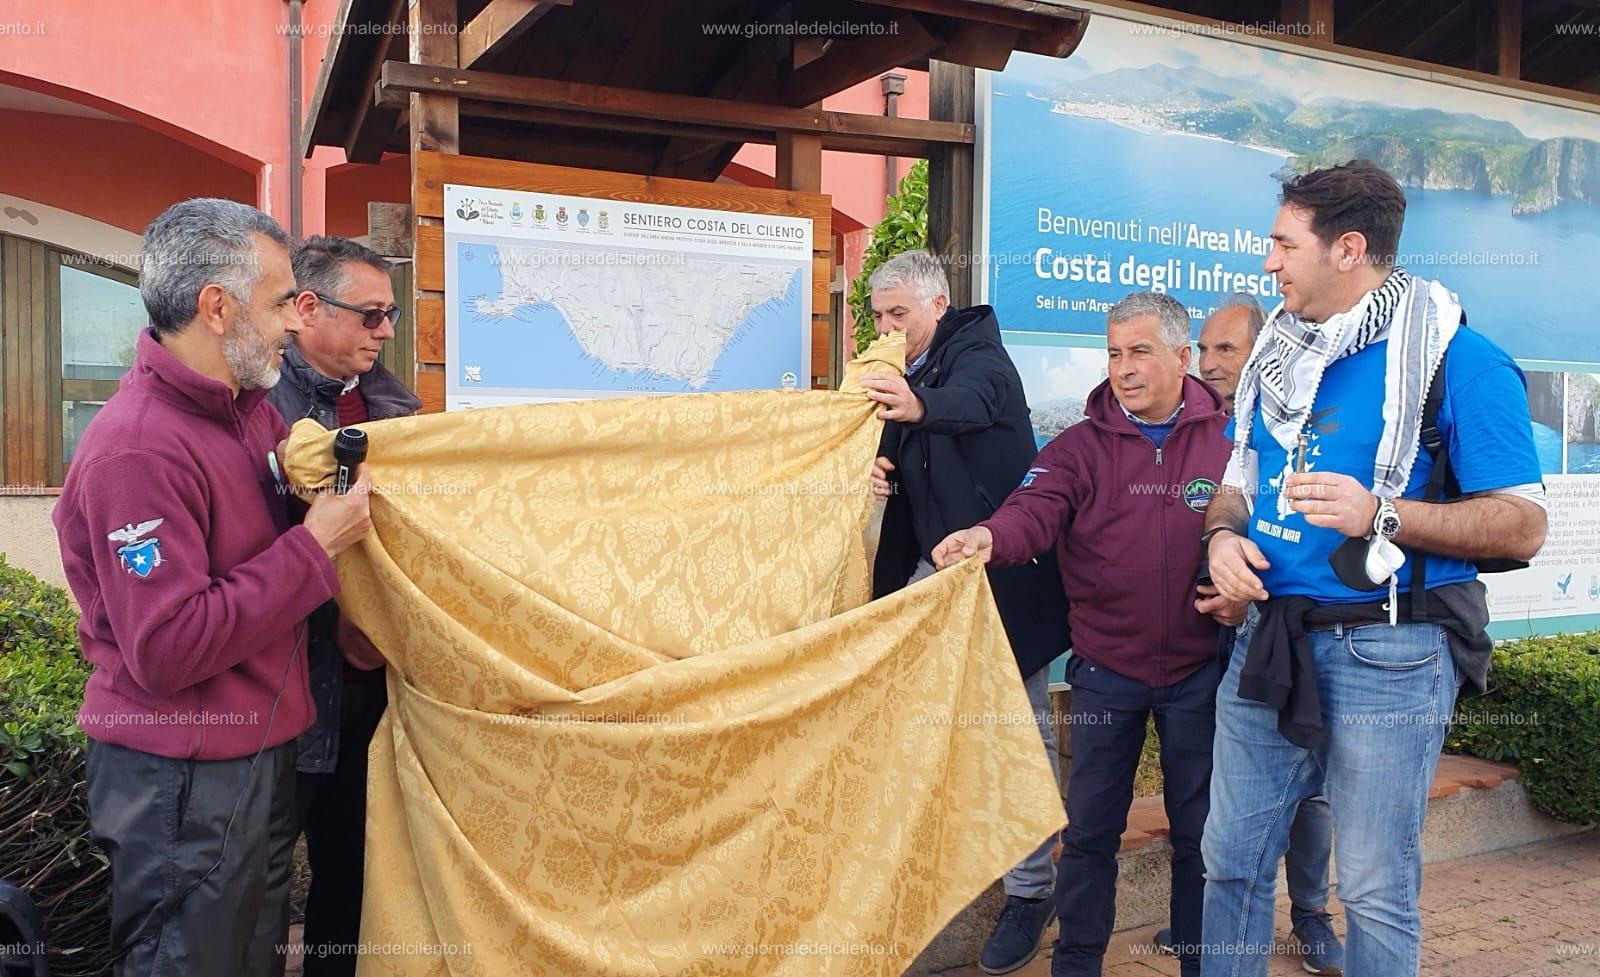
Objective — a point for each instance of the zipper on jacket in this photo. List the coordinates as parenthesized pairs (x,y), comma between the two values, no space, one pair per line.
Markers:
(1166,575)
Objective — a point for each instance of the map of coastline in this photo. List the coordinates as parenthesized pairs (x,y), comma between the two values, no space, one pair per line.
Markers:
(615,321)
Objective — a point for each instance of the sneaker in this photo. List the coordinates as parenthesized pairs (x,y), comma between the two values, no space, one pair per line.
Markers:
(1018,935)
(1164,941)
(1320,950)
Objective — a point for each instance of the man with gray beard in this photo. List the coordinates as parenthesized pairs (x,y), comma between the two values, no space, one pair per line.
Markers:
(176,541)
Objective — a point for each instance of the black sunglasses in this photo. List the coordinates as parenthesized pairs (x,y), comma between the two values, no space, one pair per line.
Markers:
(370,318)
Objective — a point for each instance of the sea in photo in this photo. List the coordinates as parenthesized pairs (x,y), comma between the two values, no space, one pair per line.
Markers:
(1501,198)
(1056,380)
(1547,406)
(1583,423)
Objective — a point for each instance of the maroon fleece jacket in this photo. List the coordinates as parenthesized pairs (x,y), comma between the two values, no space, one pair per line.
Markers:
(192,622)
(1125,519)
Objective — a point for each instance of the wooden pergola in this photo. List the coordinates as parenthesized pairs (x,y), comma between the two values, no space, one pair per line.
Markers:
(656,92)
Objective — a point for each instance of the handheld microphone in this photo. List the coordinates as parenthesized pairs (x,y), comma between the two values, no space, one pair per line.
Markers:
(349,450)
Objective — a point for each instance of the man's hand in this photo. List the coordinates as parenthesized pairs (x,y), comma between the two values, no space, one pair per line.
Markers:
(1226,612)
(881,467)
(1233,560)
(1332,501)
(957,546)
(359,651)
(338,522)
(899,403)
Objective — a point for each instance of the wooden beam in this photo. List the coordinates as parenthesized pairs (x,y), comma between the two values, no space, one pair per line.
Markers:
(435,120)
(472,109)
(1498,37)
(1421,44)
(952,98)
(1315,14)
(390,229)
(435,170)
(499,26)
(1022,15)
(859,58)
(433,127)
(330,56)
(981,46)
(557,147)
(373,125)
(1059,42)
(400,79)
(799,163)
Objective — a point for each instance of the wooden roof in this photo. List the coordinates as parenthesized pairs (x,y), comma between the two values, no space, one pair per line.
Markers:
(1550,43)
(665,87)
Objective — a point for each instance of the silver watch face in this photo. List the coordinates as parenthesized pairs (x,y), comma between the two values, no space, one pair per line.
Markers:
(1388,522)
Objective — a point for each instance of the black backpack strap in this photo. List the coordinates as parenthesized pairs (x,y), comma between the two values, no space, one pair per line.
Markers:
(1441,481)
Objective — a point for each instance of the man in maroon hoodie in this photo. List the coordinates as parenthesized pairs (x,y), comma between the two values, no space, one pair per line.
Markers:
(1121,497)
(176,542)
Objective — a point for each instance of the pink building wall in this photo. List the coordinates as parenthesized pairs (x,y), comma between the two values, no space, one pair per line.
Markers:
(199,95)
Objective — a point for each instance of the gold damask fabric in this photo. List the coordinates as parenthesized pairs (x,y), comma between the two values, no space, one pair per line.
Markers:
(642,718)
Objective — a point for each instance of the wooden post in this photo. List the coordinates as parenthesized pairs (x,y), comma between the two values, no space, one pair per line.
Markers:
(799,167)
(952,97)
(1498,27)
(799,162)
(435,126)
(1317,15)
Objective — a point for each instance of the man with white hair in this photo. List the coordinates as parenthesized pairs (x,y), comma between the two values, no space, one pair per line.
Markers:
(1120,498)
(957,441)
(176,542)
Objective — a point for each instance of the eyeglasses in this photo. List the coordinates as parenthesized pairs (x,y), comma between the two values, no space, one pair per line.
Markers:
(370,318)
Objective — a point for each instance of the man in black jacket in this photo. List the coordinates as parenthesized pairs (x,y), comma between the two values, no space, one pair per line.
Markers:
(957,441)
(332,375)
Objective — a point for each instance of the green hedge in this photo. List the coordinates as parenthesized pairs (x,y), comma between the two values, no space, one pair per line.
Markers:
(1543,713)
(904,228)
(44,817)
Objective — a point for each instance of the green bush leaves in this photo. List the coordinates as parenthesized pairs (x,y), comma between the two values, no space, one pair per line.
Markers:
(1542,712)
(904,228)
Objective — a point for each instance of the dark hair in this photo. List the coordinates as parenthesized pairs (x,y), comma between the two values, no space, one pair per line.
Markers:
(1355,196)
(319,263)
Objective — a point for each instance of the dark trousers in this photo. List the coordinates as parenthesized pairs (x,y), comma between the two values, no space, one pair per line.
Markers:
(333,813)
(1107,722)
(181,904)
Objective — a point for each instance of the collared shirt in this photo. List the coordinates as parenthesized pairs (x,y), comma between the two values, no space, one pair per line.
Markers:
(1156,432)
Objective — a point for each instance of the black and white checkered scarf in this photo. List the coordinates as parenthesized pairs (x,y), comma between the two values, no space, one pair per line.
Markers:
(1419,317)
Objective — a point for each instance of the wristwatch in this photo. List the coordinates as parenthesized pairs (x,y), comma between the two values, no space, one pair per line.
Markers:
(1386,521)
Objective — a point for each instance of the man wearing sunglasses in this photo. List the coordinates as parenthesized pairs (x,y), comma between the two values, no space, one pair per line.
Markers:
(332,375)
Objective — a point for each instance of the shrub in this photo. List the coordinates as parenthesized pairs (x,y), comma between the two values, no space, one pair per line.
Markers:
(904,228)
(44,816)
(1543,713)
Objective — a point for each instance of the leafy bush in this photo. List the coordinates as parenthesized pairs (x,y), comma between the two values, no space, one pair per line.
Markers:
(1543,713)
(904,228)
(44,816)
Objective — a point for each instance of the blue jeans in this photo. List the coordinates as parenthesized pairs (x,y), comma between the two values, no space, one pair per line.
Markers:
(1305,864)
(1387,696)
(1035,876)
(1108,717)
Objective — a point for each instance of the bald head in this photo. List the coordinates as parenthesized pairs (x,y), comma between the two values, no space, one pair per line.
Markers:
(1225,342)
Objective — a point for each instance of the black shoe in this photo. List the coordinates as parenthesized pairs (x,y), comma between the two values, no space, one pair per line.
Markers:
(1164,941)
(1018,935)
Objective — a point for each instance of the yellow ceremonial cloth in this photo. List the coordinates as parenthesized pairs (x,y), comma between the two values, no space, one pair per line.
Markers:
(642,720)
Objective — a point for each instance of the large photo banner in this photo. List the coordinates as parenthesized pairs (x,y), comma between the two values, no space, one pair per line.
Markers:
(1152,158)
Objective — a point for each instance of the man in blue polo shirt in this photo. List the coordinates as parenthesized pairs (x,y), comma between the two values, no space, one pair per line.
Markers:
(1342,678)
